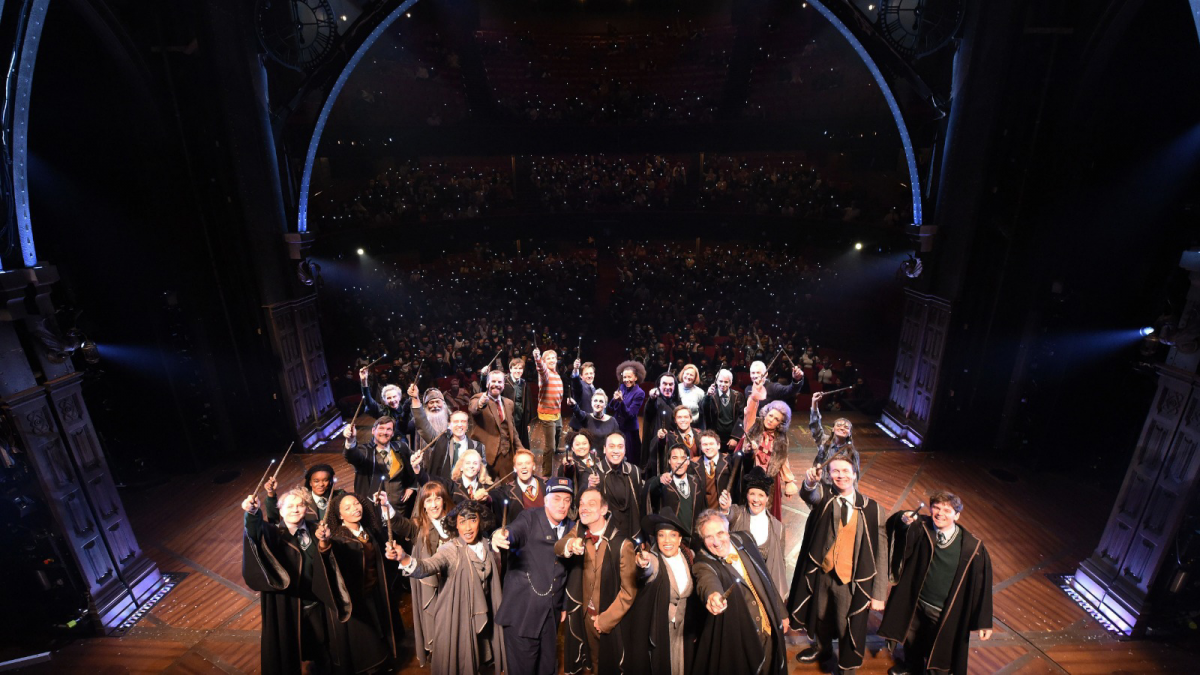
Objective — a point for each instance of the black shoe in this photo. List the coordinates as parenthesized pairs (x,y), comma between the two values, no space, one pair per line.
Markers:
(813,654)
(898,670)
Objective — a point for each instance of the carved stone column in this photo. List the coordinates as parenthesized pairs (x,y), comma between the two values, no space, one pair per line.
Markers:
(1122,575)
(918,364)
(72,480)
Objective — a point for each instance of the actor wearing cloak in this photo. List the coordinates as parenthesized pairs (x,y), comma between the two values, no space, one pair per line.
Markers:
(601,586)
(433,501)
(445,452)
(318,483)
(384,458)
(301,592)
(659,414)
(722,410)
(784,393)
(742,632)
(678,489)
(517,390)
(467,639)
(943,590)
(598,422)
(713,471)
(368,639)
(766,445)
(755,520)
(664,615)
(841,573)
(393,403)
(626,406)
(621,485)
(841,441)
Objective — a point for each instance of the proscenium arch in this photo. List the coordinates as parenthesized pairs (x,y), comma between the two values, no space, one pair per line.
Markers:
(310,157)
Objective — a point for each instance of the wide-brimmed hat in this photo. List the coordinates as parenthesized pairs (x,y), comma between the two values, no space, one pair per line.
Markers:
(757,478)
(664,519)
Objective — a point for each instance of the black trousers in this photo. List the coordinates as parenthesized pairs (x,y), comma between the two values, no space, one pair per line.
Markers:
(919,640)
(533,656)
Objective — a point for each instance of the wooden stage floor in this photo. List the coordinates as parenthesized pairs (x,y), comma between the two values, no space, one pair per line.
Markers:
(1033,527)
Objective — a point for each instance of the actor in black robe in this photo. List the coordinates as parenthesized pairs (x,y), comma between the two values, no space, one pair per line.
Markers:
(942,644)
(729,642)
(621,485)
(659,413)
(650,649)
(301,593)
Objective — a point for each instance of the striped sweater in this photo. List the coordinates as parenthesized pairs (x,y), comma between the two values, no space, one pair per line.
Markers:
(550,393)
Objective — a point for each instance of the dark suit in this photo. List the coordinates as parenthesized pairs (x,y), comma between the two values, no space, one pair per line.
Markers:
(528,406)
(376,409)
(439,460)
(779,392)
(712,410)
(369,470)
(533,594)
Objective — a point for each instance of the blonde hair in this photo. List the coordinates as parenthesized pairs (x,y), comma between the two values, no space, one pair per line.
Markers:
(692,367)
(298,492)
(457,472)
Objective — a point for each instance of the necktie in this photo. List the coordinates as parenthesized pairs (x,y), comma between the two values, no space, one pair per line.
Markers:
(590,538)
(682,487)
(499,411)
(708,466)
(531,492)
(844,509)
(725,399)
(320,502)
(735,561)
(303,537)
(385,459)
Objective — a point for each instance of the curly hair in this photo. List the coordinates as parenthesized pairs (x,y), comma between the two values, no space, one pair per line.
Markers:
(639,370)
(783,409)
(370,517)
(487,520)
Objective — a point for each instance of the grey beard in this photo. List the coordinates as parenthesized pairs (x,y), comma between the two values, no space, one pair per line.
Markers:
(440,421)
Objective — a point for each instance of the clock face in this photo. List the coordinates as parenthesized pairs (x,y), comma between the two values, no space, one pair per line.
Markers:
(296,33)
(918,28)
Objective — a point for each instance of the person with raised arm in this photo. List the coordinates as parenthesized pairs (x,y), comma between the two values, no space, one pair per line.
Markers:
(664,613)
(626,407)
(547,426)
(494,425)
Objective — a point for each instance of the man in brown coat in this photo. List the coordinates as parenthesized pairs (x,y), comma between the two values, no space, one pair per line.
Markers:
(492,424)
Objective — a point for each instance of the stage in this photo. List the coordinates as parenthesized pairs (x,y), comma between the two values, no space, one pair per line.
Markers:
(1033,527)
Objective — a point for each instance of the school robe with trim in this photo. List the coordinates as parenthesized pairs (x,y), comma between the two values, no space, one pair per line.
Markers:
(649,649)
(462,609)
(739,521)
(367,639)
(970,605)
(425,591)
(623,490)
(271,565)
(728,642)
(612,644)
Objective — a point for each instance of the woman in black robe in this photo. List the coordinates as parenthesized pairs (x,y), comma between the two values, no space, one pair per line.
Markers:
(359,546)
(658,645)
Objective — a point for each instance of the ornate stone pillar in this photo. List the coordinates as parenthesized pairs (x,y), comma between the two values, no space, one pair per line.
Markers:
(1122,576)
(52,427)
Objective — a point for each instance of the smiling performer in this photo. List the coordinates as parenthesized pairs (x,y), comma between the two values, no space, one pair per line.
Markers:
(664,613)
(828,445)
(775,391)
(626,406)
(601,586)
(493,424)
(302,597)
(943,592)
(393,402)
(383,457)
(466,639)
(744,622)
(755,520)
(842,569)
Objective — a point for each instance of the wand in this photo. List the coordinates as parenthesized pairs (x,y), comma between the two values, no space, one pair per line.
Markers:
(504,519)
(489,363)
(789,358)
(835,391)
(736,581)
(377,360)
(773,359)
(383,511)
(285,456)
(504,480)
(264,477)
(579,350)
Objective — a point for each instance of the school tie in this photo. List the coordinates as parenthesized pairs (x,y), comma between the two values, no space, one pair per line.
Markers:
(736,561)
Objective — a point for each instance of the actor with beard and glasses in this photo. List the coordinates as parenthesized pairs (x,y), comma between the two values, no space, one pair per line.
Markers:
(744,627)
(775,391)
(448,448)
(517,390)
(842,569)
(598,423)
(626,406)
(755,520)
(368,640)
(664,615)
(386,460)
(494,426)
(467,639)
(534,582)
(318,482)
(713,471)
(723,408)
(547,426)
(621,485)
(393,403)
(677,489)
(659,416)
(601,586)
(943,589)
(431,419)
(302,596)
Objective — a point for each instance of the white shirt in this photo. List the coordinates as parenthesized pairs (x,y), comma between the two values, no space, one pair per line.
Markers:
(477,549)
(760,527)
(557,528)
(681,486)
(679,570)
(437,525)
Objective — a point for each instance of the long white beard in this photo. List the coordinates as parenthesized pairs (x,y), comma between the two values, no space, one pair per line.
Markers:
(440,421)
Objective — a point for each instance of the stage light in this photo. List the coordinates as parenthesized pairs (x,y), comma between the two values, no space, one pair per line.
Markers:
(858,246)
(361,252)
(1147,331)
